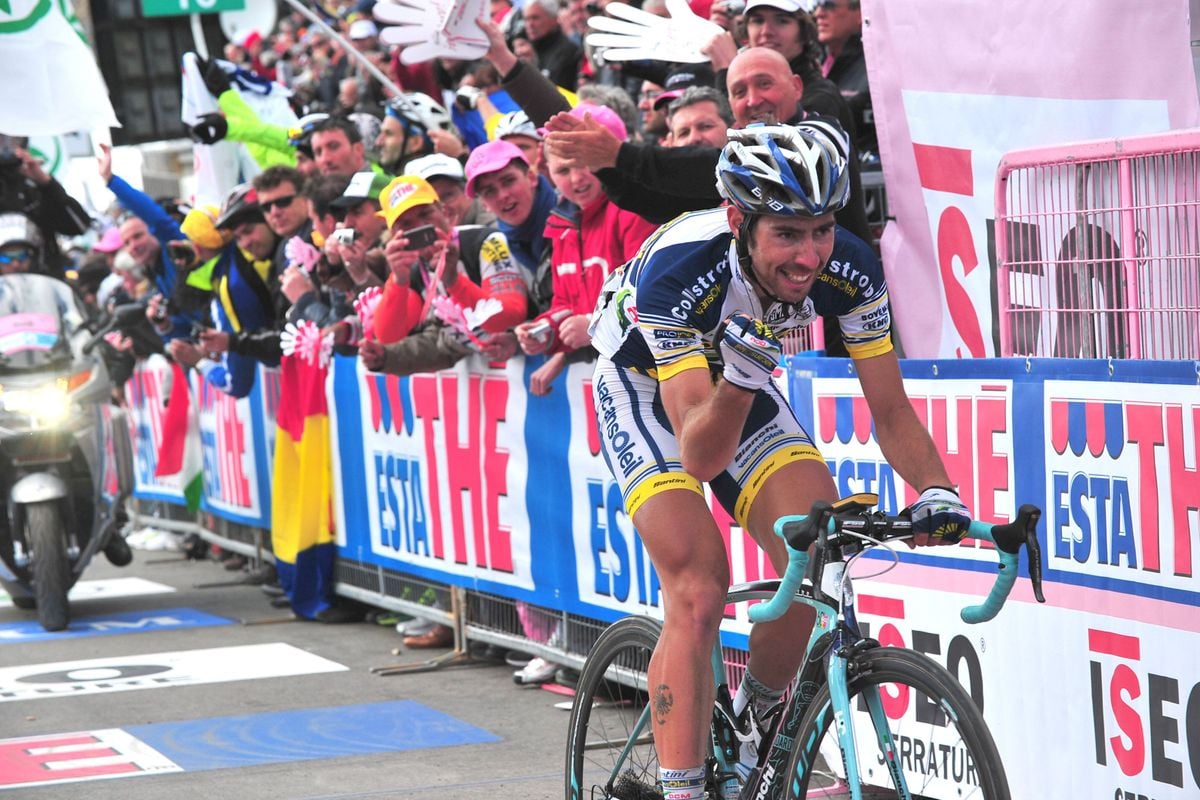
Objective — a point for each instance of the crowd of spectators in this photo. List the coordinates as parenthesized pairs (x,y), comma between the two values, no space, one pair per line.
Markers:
(512,186)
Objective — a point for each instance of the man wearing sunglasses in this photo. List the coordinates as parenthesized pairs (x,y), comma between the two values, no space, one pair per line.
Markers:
(281,200)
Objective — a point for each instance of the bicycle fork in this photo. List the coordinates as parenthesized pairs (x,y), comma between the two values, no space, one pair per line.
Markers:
(843,722)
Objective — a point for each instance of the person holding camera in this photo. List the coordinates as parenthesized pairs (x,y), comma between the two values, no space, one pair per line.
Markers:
(239,330)
(590,238)
(427,253)
(26,188)
(147,237)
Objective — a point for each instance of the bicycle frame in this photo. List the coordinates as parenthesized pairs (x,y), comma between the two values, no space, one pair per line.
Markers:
(839,667)
(836,639)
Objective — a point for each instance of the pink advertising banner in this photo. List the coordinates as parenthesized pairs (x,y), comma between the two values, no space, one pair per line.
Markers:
(955,85)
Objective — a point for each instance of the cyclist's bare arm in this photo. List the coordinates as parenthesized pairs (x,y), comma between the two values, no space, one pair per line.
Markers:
(904,440)
(707,419)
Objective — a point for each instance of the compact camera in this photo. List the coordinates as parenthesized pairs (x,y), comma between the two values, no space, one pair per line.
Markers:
(343,236)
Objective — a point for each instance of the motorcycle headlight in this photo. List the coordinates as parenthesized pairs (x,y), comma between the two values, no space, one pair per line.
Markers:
(48,404)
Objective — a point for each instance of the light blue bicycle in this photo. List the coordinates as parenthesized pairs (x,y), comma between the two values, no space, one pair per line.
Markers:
(861,721)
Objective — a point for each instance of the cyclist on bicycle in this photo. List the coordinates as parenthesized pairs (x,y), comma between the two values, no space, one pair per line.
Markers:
(687,339)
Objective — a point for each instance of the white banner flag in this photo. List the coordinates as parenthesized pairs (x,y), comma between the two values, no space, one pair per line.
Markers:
(51,82)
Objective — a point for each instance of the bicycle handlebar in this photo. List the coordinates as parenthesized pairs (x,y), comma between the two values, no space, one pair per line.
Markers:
(801,531)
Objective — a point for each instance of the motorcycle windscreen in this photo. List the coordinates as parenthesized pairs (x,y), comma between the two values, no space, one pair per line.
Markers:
(38,317)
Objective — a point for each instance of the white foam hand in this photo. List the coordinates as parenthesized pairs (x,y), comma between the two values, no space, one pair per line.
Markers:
(300,253)
(365,305)
(484,310)
(429,29)
(630,34)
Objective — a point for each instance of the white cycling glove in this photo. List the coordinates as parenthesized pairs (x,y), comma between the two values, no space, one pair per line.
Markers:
(940,514)
(749,350)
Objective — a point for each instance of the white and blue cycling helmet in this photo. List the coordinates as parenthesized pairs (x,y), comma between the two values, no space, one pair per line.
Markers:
(786,170)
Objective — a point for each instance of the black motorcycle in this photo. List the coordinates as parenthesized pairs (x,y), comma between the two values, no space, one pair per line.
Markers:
(65,454)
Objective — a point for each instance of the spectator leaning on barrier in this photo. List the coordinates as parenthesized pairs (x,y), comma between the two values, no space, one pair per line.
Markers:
(314,291)
(499,174)
(477,266)
(242,304)
(590,238)
(449,180)
(280,197)
(147,237)
(362,257)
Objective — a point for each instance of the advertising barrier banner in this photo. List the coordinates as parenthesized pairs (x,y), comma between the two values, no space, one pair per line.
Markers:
(463,477)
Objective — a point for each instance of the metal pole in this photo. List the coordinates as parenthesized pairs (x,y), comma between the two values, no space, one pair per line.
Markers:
(350,49)
(198,37)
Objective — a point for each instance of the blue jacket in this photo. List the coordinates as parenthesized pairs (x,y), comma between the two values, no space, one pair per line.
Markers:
(164,229)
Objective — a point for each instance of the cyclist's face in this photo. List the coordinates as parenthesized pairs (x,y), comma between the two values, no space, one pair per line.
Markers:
(789,252)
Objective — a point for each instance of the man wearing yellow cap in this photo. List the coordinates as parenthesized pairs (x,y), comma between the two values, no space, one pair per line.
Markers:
(467,264)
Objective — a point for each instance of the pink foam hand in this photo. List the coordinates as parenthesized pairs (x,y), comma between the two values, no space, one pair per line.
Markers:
(452,314)
(365,305)
(300,253)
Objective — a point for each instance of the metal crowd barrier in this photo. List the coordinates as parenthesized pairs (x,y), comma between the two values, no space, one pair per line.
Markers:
(1098,249)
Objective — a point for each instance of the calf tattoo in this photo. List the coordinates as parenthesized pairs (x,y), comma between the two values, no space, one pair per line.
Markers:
(663,701)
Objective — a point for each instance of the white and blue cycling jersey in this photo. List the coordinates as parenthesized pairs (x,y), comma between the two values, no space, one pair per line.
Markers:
(659,313)
(656,318)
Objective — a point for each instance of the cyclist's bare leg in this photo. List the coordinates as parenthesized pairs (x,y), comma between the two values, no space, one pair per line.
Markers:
(688,552)
(776,648)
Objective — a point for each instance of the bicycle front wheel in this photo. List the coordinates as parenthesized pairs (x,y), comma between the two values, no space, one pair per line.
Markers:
(610,749)
(940,739)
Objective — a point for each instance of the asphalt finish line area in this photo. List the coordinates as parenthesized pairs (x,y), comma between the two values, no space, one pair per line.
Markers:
(234,741)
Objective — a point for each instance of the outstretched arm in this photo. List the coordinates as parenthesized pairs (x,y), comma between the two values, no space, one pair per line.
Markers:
(905,442)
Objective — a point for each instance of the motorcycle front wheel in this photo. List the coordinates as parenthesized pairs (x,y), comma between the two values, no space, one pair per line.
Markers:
(51,570)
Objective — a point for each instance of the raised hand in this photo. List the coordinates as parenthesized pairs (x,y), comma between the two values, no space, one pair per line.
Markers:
(749,350)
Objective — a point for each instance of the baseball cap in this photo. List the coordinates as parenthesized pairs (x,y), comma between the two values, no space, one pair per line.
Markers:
(790,6)
(404,193)
(366,185)
(438,165)
(110,241)
(684,78)
(491,157)
(363,29)
(200,227)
